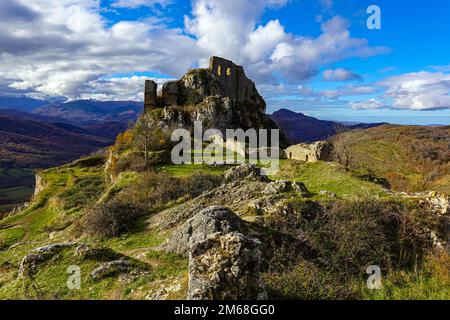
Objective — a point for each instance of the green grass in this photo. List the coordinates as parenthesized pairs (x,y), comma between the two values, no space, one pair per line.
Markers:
(190,169)
(325,176)
(8,237)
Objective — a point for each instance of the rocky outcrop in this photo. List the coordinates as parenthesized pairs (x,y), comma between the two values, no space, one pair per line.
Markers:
(87,252)
(211,220)
(283,186)
(40,184)
(439,203)
(28,266)
(110,269)
(223,262)
(221,97)
(248,172)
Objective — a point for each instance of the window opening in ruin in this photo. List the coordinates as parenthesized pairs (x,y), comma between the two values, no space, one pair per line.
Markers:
(229,72)
(219,70)
(307,158)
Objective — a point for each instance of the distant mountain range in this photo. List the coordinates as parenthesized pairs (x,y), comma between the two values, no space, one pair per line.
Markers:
(36,144)
(298,127)
(22,103)
(78,111)
(93,111)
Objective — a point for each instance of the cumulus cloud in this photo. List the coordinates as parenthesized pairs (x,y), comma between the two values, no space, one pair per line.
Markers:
(68,45)
(229,28)
(419,91)
(340,75)
(65,48)
(118,89)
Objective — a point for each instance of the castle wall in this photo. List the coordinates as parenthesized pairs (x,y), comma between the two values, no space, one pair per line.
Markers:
(233,81)
(150,95)
(170,93)
(309,152)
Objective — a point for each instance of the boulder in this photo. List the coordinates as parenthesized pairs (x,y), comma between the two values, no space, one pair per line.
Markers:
(211,220)
(29,264)
(225,267)
(223,263)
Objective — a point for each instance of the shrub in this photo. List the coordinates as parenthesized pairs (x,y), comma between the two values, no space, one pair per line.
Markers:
(157,189)
(345,238)
(307,282)
(84,191)
(111,219)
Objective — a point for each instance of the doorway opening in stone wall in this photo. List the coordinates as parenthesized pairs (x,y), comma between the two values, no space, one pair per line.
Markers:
(307,158)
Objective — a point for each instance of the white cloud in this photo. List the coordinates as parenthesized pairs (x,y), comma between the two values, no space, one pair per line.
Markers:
(139,3)
(370,104)
(118,89)
(68,45)
(419,91)
(230,29)
(340,75)
(64,47)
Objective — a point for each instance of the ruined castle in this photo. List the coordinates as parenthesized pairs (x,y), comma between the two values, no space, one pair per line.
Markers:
(223,78)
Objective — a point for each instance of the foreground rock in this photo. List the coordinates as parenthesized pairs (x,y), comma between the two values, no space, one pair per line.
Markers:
(212,220)
(224,264)
(225,267)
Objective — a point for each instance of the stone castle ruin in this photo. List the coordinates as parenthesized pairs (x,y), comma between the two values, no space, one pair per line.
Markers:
(318,151)
(222,78)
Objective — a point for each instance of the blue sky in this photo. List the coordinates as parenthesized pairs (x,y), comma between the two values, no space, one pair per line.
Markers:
(311,56)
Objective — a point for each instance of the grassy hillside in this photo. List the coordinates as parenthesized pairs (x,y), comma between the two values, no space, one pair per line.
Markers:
(72,190)
(410,158)
(53,217)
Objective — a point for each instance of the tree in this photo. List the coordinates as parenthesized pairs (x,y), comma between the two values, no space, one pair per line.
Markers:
(150,136)
(143,132)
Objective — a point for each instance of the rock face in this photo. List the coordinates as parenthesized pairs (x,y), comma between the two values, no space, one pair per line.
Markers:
(321,150)
(39,185)
(224,264)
